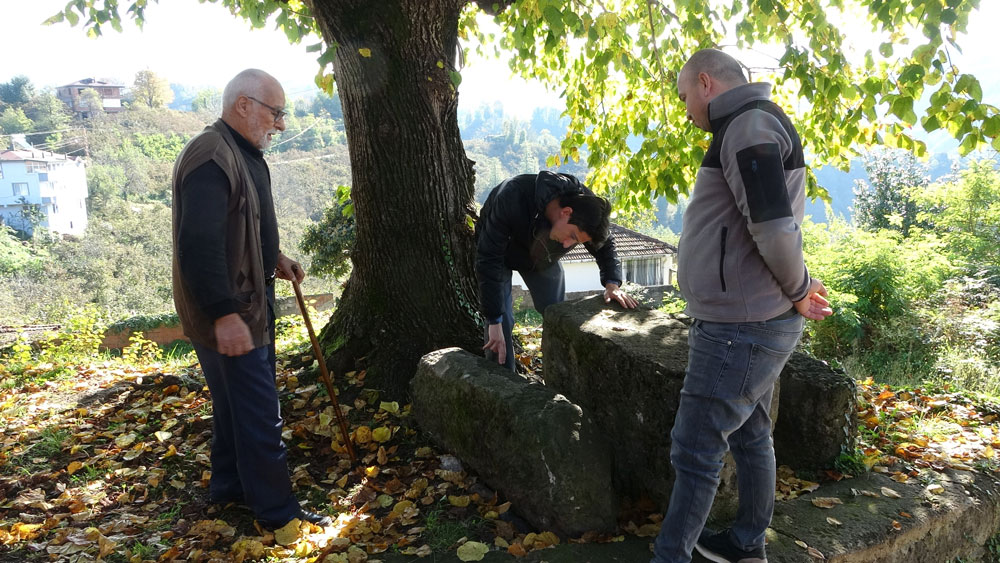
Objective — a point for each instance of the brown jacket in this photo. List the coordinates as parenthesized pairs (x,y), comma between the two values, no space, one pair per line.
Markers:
(243,245)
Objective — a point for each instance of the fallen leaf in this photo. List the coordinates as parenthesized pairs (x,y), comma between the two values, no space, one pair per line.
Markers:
(802,544)
(886,491)
(826,502)
(833,521)
(935,489)
(287,534)
(816,554)
(73,467)
(472,551)
(459,501)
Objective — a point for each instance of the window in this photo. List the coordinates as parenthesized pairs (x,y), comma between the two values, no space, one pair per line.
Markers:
(32,166)
(644,271)
(20,188)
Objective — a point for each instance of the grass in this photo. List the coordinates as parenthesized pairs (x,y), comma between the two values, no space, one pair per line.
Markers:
(442,531)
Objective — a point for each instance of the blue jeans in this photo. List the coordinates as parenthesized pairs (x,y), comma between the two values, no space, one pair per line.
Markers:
(248,457)
(724,405)
(546,287)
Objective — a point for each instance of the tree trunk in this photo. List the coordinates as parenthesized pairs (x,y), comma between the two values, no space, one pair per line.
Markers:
(413,287)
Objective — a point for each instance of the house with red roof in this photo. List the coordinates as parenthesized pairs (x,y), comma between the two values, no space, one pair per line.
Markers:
(645,261)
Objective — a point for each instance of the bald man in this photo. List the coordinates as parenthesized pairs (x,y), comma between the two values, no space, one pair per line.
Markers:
(741,271)
(226,257)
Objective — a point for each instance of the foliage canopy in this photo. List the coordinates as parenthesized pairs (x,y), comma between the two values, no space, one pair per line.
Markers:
(615,64)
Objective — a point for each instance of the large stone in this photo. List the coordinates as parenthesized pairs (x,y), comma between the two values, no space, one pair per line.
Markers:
(626,369)
(817,420)
(523,439)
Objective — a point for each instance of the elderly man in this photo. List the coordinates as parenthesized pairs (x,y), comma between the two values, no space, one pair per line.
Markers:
(226,257)
(741,270)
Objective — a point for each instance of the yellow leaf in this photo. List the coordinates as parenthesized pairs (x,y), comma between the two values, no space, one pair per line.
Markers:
(423,451)
(161,435)
(288,534)
(372,471)
(392,407)
(362,435)
(935,489)
(401,506)
(125,440)
(473,551)
(382,434)
(459,501)
(73,467)
(365,52)
(171,451)
(342,481)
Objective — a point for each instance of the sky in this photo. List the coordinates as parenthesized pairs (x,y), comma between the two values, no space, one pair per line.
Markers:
(203,45)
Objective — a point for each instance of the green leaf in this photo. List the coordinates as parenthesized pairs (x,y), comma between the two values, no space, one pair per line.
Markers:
(55,19)
(315,47)
(71,16)
(456,77)
(885,50)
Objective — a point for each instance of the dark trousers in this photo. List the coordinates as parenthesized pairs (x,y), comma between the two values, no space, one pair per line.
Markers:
(248,457)
(546,287)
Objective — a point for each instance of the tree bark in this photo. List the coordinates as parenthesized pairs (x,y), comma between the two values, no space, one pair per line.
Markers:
(413,287)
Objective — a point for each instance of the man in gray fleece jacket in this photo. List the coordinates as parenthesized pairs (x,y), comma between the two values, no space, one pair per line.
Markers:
(741,270)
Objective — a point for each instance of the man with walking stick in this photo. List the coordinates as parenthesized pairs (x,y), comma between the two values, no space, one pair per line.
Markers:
(225,260)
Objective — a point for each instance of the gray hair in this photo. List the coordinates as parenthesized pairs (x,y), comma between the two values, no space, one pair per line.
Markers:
(250,82)
(718,65)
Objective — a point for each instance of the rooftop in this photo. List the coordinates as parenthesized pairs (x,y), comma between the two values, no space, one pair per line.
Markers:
(628,244)
(37,155)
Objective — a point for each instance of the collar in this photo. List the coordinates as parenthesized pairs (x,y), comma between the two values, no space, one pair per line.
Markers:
(733,99)
(244,144)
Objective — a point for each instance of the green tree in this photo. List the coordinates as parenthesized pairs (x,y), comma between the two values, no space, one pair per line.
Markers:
(17,92)
(413,288)
(966,215)
(50,115)
(208,100)
(13,120)
(92,100)
(885,200)
(151,90)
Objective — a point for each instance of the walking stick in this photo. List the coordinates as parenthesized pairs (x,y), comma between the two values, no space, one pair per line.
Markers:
(318,352)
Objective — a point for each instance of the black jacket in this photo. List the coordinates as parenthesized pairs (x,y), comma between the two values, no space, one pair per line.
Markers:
(513,234)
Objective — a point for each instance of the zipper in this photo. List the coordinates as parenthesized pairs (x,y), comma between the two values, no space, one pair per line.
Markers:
(722,258)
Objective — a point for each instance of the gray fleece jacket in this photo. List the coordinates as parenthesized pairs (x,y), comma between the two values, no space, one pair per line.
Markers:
(740,252)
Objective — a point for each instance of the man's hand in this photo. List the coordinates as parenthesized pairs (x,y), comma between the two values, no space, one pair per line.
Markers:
(612,291)
(289,269)
(233,335)
(497,343)
(814,305)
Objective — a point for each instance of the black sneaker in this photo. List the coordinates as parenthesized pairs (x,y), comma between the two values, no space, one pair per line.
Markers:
(718,547)
(304,515)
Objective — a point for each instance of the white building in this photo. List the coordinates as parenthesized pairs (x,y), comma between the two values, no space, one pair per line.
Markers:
(645,261)
(55,183)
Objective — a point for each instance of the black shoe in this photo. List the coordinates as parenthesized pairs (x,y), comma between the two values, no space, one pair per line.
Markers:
(304,515)
(718,547)
(317,519)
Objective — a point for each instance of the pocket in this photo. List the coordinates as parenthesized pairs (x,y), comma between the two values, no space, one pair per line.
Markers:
(246,301)
(709,373)
(764,367)
(722,258)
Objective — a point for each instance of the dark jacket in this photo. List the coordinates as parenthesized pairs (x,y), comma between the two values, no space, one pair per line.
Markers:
(740,253)
(243,254)
(513,234)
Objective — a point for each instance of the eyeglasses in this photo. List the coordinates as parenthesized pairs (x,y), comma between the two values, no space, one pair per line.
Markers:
(278,113)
